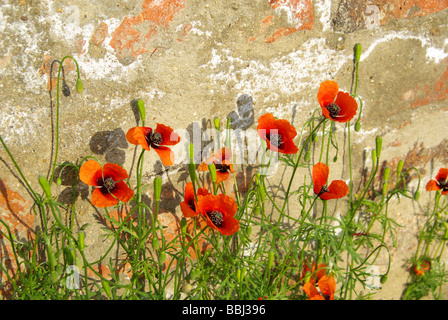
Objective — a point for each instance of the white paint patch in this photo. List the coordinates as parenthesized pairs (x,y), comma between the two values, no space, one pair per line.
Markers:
(294,73)
(323,7)
(433,53)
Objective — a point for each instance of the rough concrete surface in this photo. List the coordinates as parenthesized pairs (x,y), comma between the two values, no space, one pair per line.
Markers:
(191,61)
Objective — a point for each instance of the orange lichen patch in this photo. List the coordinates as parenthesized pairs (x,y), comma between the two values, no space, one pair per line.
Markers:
(46,67)
(411,8)
(301,12)
(431,93)
(128,41)
(100,34)
(15,212)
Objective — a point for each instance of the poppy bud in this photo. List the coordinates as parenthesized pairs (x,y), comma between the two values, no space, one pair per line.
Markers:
(314,137)
(307,155)
(373,156)
(386,174)
(81,237)
(155,243)
(192,171)
(357,126)
(141,109)
(256,211)
(157,188)
(240,274)
(162,257)
(216,123)
(45,186)
(59,181)
(79,86)
(358,49)
(270,259)
(385,188)
(383,279)
(416,195)
(249,231)
(335,159)
(194,274)
(106,288)
(262,193)
(379,144)
(212,169)
(183,225)
(400,167)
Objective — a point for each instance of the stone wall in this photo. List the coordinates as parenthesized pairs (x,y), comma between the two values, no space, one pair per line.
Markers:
(191,61)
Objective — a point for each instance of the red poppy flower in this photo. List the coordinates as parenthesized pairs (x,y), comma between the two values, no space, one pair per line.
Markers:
(188,206)
(327,287)
(221,159)
(422,268)
(219,211)
(278,134)
(158,140)
(336,105)
(108,180)
(440,182)
(337,188)
(315,275)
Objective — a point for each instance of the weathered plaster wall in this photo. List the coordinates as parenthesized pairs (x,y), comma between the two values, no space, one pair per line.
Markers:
(194,60)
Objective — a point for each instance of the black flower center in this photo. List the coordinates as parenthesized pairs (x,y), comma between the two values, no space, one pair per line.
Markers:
(275,139)
(107,185)
(154,138)
(443,184)
(334,110)
(216,218)
(323,190)
(191,205)
(222,167)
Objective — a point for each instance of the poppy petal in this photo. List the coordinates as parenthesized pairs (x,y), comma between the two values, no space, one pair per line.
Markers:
(186,210)
(336,190)
(310,290)
(122,191)
(328,91)
(90,172)
(137,136)
(101,200)
(169,137)
(221,176)
(327,286)
(265,122)
(114,171)
(166,155)
(348,107)
(442,175)
(320,176)
(432,185)
(288,147)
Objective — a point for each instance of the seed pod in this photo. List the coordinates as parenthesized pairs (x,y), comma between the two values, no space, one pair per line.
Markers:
(79,86)
(141,109)
(45,186)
